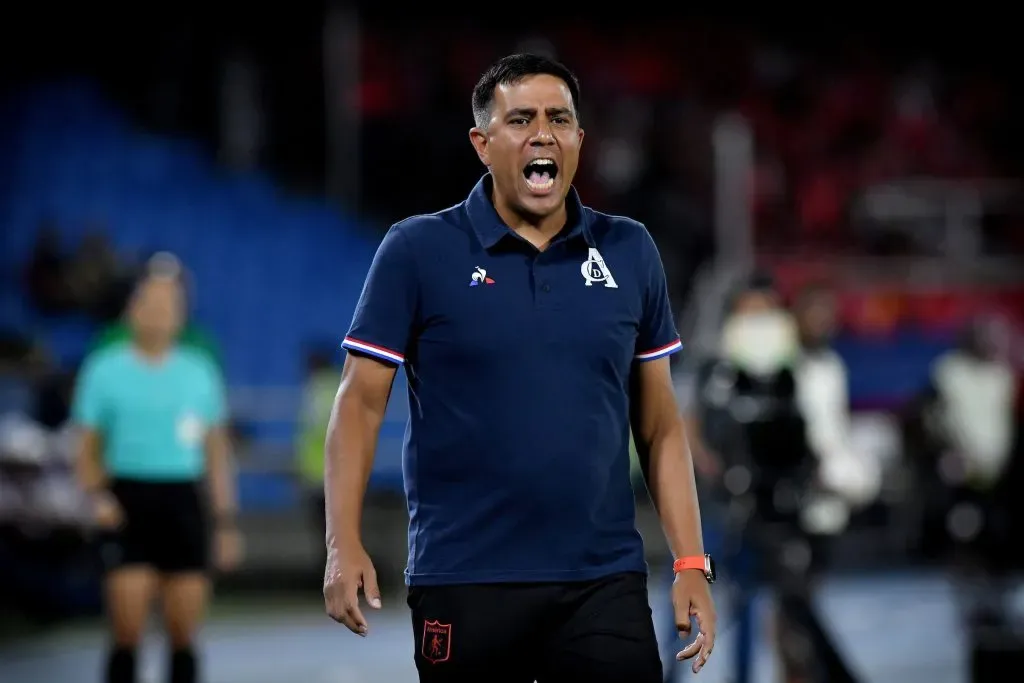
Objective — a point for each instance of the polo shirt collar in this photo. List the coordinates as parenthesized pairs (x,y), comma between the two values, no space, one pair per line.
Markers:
(489,227)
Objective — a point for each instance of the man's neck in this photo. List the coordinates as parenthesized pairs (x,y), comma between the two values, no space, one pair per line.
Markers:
(531,228)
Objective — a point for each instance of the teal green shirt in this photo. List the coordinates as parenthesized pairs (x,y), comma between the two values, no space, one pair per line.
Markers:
(153,415)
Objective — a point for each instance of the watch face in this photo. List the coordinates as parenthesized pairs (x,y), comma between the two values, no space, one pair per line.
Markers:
(709,569)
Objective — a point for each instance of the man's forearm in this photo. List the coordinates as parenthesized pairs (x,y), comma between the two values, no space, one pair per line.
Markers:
(670,480)
(221,471)
(351,441)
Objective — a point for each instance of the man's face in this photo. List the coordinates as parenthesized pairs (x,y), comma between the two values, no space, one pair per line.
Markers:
(531,144)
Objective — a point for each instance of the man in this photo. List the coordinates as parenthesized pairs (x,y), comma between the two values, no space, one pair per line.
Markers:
(152,415)
(534,333)
(847,478)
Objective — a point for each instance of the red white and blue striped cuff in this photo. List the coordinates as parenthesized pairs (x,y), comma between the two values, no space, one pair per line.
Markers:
(660,351)
(372,350)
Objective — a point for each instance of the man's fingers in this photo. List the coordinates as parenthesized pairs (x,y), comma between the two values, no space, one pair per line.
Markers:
(335,608)
(705,652)
(705,623)
(691,649)
(683,624)
(346,620)
(370,589)
(705,641)
(353,614)
(355,620)
(343,606)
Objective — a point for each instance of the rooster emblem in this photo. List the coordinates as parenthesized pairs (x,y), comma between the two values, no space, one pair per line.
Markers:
(480,276)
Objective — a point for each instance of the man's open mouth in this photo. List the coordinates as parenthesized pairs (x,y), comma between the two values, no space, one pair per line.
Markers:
(540,174)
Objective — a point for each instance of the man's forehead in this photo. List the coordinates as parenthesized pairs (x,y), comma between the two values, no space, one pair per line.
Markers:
(542,91)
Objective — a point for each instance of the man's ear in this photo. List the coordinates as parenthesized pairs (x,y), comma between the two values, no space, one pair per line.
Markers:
(478,138)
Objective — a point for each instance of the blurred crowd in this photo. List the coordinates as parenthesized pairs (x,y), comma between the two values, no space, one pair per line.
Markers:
(787,478)
(91,278)
(833,125)
(36,489)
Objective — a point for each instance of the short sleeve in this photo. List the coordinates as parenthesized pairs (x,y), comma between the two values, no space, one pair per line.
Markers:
(384,315)
(88,407)
(657,335)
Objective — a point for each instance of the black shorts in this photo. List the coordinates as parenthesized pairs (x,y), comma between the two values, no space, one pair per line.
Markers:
(166,527)
(597,631)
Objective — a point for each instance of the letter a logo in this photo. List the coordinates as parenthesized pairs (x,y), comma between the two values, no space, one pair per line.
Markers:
(594,269)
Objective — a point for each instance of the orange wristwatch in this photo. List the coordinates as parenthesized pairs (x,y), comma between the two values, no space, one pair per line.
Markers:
(703,563)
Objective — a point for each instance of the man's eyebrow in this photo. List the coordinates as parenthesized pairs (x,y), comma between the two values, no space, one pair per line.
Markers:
(530,112)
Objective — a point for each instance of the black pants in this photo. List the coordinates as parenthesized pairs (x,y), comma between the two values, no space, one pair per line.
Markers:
(596,631)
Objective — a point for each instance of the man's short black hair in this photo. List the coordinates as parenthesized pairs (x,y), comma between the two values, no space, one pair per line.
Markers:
(513,69)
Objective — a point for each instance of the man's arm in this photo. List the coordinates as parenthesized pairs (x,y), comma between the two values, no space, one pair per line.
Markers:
(376,342)
(664,455)
(351,442)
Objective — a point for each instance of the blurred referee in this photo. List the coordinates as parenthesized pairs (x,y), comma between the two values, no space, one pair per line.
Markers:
(151,416)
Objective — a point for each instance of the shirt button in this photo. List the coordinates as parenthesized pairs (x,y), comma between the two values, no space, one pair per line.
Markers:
(545,287)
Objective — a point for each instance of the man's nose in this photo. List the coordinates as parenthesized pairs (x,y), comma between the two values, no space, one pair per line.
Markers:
(542,136)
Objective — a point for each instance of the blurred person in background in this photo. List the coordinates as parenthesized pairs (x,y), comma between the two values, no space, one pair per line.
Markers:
(964,439)
(846,480)
(535,333)
(753,449)
(961,437)
(318,393)
(974,427)
(192,335)
(151,415)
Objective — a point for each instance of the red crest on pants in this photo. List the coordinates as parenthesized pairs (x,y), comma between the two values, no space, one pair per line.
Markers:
(437,641)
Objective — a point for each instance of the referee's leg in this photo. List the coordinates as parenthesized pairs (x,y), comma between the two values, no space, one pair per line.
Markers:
(129,591)
(607,635)
(183,561)
(129,584)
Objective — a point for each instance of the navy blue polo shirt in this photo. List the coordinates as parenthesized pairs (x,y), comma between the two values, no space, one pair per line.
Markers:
(518,361)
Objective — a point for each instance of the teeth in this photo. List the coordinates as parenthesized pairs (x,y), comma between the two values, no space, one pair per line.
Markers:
(541,186)
(543,162)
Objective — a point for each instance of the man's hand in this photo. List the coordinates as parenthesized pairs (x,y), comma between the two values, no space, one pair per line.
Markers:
(347,571)
(691,598)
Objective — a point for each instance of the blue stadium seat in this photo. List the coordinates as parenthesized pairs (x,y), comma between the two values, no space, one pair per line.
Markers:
(270,272)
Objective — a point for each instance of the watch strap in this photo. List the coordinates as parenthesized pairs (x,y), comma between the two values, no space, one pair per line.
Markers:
(698,562)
